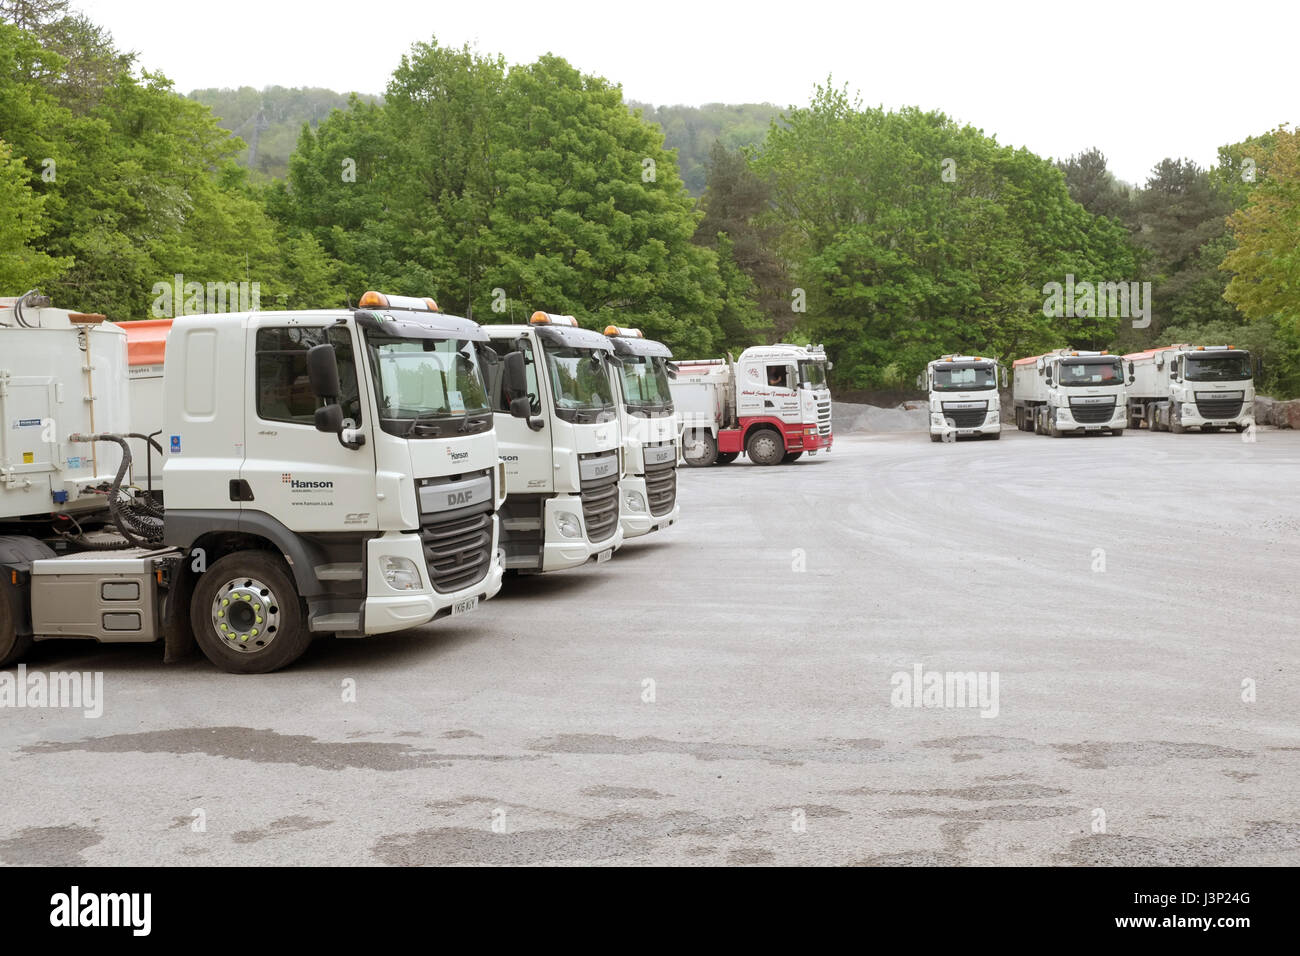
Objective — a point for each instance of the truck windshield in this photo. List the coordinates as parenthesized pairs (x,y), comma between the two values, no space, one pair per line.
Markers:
(1220,368)
(427,387)
(813,374)
(580,383)
(645,382)
(958,378)
(1106,371)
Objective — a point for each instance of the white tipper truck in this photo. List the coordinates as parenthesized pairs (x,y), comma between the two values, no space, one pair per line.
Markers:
(773,403)
(560,445)
(640,376)
(1070,391)
(1177,387)
(329,471)
(964,400)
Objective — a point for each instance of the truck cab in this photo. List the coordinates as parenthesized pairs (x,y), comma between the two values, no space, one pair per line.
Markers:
(383,500)
(1181,387)
(772,404)
(639,379)
(963,397)
(1070,391)
(560,445)
(327,471)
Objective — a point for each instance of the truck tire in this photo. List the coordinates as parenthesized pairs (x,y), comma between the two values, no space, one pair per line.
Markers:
(727,457)
(791,456)
(1039,428)
(14,644)
(996,435)
(1117,432)
(765,447)
(706,449)
(247,615)
(1051,427)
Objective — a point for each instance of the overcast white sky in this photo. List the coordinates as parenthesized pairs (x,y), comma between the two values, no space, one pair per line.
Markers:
(1139,80)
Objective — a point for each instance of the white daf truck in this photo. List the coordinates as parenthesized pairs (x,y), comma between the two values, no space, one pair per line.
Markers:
(560,445)
(964,400)
(1070,392)
(326,472)
(773,404)
(640,377)
(1177,387)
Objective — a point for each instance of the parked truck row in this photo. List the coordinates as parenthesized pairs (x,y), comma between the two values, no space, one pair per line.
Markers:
(1071,391)
(283,475)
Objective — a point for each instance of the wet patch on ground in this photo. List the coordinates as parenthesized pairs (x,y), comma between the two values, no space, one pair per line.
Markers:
(268,746)
(281,827)
(606,838)
(1114,849)
(834,751)
(49,846)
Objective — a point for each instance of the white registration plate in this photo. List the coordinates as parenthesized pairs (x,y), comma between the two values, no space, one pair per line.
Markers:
(1094,428)
(604,555)
(464,606)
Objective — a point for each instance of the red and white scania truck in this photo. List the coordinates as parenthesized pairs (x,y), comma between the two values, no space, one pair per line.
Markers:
(772,404)
(1177,387)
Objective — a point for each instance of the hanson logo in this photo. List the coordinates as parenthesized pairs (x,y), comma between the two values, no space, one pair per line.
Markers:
(457,455)
(293,482)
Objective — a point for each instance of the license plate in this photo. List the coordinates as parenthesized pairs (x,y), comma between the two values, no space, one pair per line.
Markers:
(464,606)
(604,555)
(1094,428)
(1220,424)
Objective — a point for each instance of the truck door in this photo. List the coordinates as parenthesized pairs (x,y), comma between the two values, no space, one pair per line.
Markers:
(304,478)
(526,453)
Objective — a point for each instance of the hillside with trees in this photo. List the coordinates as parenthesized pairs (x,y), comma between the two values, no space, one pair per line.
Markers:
(499,188)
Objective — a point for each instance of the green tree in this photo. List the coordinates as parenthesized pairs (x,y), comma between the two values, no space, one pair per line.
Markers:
(733,206)
(912,236)
(22,265)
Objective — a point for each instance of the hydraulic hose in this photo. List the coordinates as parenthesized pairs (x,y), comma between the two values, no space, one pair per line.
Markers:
(141,526)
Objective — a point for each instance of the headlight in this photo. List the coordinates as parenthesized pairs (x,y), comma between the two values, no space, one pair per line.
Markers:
(993,418)
(1188,410)
(568,524)
(401,574)
(936,419)
(634,501)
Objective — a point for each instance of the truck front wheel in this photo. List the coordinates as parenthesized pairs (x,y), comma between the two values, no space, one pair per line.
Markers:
(765,447)
(247,615)
(700,449)
(791,456)
(727,457)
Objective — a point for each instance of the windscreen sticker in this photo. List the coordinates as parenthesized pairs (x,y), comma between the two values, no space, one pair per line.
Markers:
(456,401)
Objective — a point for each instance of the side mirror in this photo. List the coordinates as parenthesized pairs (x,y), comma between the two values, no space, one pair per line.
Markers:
(920,381)
(516,375)
(1004,378)
(672,370)
(323,371)
(521,407)
(329,418)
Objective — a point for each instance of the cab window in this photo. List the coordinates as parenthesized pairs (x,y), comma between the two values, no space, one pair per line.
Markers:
(530,366)
(283,388)
(778,376)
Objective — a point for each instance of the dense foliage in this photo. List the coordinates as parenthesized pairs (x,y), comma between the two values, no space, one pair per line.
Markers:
(499,189)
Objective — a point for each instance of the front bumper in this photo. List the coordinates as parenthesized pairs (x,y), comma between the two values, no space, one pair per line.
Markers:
(939,426)
(1066,423)
(1189,416)
(560,553)
(637,523)
(386,610)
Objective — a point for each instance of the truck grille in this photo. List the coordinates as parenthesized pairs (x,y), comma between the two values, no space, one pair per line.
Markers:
(1092,412)
(965,417)
(661,487)
(1219,408)
(600,507)
(824,418)
(458,552)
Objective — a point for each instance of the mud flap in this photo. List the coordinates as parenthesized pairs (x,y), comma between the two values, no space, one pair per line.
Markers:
(178,632)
